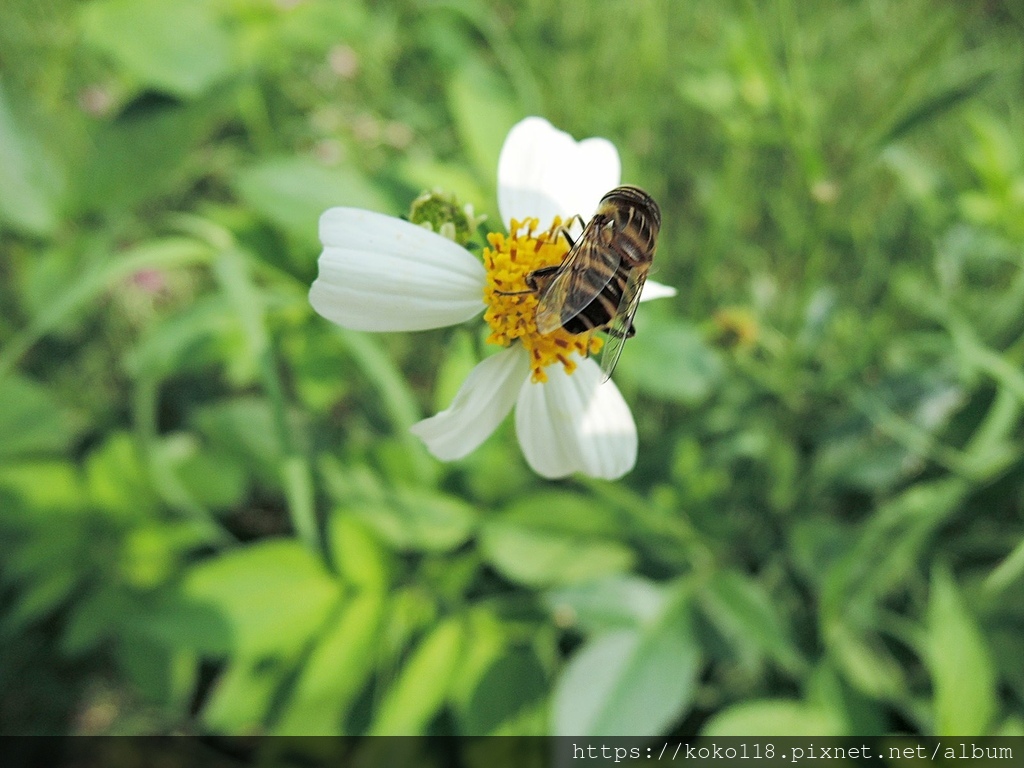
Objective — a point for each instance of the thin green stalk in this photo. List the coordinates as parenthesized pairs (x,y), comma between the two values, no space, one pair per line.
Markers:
(398,401)
(144,406)
(231,270)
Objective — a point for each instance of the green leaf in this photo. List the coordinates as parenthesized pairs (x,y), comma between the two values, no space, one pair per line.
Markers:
(888,546)
(670,359)
(511,689)
(825,689)
(40,595)
(44,486)
(271,596)
(337,670)
(867,664)
(357,554)
(488,638)
(560,512)
(419,520)
(174,620)
(243,428)
(292,192)
(93,618)
(243,695)
(187,339)
(744,613)
(165,253)
(634,682)
(773,717)
(540,559)
(177,47)
(963,674)
(151,551)
(142,154)
(31,421)
(937,104)
(165,676)
(118,479)
(31,186)
(617,602)
(422,687)
(482,106)
(213,478)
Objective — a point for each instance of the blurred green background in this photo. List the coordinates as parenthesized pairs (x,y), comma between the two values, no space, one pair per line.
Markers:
(213,518)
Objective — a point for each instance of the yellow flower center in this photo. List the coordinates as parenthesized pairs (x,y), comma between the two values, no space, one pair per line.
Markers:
(512,306)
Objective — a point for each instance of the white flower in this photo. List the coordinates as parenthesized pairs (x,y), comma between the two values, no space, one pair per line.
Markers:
(379,273)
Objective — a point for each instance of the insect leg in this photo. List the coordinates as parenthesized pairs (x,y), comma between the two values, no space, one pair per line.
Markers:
(563,229)
(535,281)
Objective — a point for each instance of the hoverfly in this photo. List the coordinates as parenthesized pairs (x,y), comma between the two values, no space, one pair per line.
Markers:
(598,283)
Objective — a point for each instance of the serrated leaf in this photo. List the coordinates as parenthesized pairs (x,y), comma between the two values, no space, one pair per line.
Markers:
(118,480)
(743,611)
(773,717)
(357,554)
(423,685)
(271,596)
(512,687)
(616,602)
(867,664)
(337,669)
(963,674)
(243,695)
(541,558)
(630,682)
(419,520)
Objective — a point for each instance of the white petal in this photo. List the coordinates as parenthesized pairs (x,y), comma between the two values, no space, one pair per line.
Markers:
(379,273)
(543,172)
(480,405)
(576,423)
(655,290)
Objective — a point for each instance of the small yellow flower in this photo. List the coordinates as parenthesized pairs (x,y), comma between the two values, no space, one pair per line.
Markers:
(735,328)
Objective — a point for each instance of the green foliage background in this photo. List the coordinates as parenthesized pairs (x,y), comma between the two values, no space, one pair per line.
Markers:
(213,518)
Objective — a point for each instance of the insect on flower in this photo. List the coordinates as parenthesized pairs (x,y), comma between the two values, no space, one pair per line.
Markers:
(541,294)
(598,284)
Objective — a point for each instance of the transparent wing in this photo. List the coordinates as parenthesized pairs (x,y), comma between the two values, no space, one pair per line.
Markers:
(621,325)
(587,269)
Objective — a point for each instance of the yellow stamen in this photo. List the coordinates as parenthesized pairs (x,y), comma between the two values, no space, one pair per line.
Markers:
(511,306)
